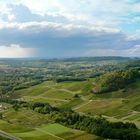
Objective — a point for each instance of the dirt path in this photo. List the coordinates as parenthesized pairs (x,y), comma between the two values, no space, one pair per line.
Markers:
(56,99)
(75,108)
(49,134)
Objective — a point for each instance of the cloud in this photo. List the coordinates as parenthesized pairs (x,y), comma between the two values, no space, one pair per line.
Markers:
(15,51)
(21,13)
(60,28)
(101,12)
(107,13)
(134,51)
(75,12)
(61,40)
(131,52)
(55,31)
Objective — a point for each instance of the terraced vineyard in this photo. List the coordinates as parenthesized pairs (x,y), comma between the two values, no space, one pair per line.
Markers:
(114,105)
(30,124)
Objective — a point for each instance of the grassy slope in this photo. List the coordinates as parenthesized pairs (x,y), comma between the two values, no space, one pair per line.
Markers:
(57,94)
(44,132)
(122,105)
(30,125)
(54,132)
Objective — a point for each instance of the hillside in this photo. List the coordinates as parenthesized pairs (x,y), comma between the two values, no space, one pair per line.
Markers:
(125,101)
(34,111)
(115,106)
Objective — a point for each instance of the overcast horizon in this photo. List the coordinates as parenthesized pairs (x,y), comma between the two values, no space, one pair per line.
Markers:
(73,28)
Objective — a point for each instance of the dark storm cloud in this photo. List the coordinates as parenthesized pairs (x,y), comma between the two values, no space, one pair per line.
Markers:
(60,39)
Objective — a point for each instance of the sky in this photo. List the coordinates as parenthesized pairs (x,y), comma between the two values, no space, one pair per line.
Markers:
(69,28)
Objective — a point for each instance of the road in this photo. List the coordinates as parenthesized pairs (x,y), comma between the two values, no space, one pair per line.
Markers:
(9,136)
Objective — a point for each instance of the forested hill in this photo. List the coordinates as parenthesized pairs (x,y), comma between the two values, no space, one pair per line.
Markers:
(116,80)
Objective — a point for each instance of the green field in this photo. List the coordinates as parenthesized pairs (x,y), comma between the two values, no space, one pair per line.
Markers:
(122,104)
(118,105)
(30,125)
(54,132)
(44,132)
(57,94)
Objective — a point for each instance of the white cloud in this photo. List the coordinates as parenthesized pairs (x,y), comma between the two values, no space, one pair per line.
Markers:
(136,7)
(15,51)
(135,35)
(44,6)
(11,17)
(70,28)
(101,12)
(107,13)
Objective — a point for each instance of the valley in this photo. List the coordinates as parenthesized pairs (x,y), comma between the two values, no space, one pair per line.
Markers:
(66,85)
